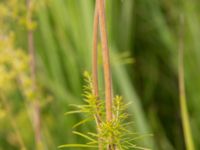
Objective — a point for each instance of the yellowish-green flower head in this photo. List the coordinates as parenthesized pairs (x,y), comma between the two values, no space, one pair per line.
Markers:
(14,70)
(13,62)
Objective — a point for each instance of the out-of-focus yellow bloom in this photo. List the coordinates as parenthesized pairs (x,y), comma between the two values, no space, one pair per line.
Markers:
(13,62)
(4,10)
(29,24)
(2,113)
(14,68)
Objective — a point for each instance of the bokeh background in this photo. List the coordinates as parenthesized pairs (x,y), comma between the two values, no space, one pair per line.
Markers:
(143,40)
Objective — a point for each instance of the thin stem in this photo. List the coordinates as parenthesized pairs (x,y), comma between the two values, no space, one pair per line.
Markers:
(106,59)
(106,65)
(35,105)
(95,70)
(95,58)
(95,53)
(183,103)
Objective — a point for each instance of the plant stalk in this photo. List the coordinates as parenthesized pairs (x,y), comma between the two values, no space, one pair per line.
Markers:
(106,65)
(35,105)
(183,104)
(106,59)
(95,69)
(95,53)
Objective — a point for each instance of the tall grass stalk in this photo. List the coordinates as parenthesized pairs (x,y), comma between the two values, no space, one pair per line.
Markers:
(35,105)
(95,52)
(106,63)
(183,103)
(106,59)
(95,68)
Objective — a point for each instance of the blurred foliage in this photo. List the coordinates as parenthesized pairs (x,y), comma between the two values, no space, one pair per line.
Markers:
(147,30)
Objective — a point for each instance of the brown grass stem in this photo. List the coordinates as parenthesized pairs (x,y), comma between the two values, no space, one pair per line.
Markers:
(95,53)
(95,58)
(106,63)
(95,69)
(106,59)
(31,49)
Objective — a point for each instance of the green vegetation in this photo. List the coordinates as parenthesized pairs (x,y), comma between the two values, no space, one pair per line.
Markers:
(116,129)
(145,40)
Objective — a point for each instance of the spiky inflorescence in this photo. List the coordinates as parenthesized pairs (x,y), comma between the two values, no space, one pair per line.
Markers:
(92,105)
(117,128)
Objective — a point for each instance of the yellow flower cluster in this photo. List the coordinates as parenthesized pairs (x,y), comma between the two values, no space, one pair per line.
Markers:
(17,12)
(13,62)
(29,90)
(14,69)
(10,10)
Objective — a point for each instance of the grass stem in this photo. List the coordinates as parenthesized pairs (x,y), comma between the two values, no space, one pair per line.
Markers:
(106,63)
(95,68)
(106,59)
(35,105)
(183,104)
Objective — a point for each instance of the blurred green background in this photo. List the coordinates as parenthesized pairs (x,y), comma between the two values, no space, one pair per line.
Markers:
(141,30)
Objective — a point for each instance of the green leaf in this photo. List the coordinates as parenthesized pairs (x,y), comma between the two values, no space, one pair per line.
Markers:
(85,136)
(81,122)
(76,145)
